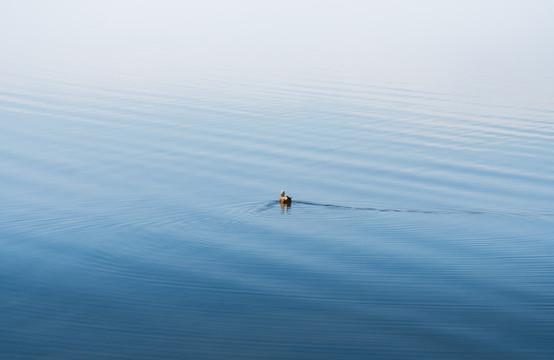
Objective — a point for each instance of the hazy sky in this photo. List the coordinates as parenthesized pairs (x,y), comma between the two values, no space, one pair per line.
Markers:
(388,37)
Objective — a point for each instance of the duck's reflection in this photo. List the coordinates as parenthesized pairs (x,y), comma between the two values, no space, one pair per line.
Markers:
(285,207)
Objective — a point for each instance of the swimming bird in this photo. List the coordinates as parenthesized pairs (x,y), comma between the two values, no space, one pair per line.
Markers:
(285,199)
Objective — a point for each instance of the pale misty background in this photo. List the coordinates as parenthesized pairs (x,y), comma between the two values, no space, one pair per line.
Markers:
(440,42)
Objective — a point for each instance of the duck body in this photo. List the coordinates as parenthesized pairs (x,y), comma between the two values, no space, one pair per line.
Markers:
(287,200)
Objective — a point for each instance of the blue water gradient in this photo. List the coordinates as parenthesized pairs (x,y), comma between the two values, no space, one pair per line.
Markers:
(138,219)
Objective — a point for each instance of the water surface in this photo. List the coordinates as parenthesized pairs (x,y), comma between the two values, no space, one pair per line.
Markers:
(138,218)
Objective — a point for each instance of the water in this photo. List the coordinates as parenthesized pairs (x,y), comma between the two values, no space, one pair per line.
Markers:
(138,218)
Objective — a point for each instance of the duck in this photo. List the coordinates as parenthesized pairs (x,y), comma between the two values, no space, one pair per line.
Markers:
(287,200)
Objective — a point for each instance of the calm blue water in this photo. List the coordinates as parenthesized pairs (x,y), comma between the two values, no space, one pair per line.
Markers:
(138,218)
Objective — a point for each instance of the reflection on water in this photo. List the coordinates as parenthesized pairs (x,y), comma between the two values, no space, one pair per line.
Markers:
(136,220)
(285,207)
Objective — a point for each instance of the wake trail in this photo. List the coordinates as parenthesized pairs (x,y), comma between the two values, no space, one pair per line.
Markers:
(273,204)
